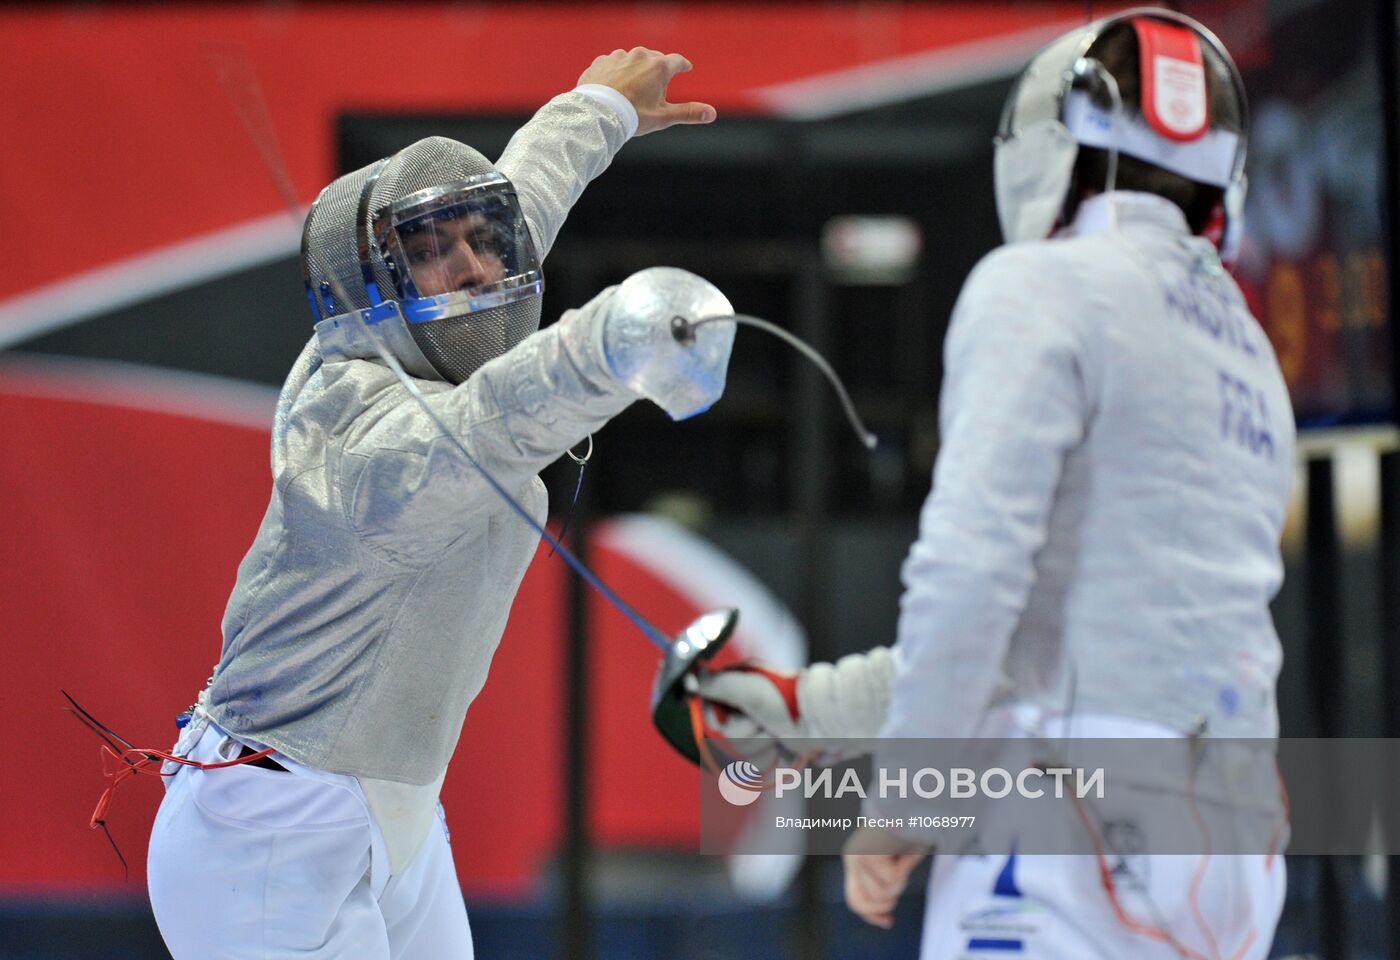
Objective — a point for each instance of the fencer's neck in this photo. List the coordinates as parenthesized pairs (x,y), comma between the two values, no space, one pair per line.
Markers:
(1108,211)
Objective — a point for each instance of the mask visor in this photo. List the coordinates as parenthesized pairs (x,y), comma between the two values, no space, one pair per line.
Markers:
(459,248)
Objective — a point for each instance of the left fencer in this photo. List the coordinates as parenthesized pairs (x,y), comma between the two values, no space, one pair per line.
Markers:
(368,608)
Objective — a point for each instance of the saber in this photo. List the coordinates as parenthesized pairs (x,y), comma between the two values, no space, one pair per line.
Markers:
(705,636)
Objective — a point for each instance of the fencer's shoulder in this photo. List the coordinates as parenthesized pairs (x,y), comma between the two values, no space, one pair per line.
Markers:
(1055,278)
(358,381)
(349,397)
(1045,263)
(1039,282)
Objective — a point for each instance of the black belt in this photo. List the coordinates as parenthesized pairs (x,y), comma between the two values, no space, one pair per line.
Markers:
(266,762)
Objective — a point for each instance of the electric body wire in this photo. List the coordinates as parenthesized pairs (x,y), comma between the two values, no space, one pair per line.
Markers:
(578,489)
(556,546)
(135,760)
(1097,828)
(653,634)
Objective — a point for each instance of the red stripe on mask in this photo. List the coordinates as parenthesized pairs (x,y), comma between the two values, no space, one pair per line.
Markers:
(1174,98)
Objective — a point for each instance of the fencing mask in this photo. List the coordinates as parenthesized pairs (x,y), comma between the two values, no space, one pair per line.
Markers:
(1054,110)
(433,243)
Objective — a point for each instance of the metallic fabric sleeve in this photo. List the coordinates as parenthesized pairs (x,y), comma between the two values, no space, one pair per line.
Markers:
(407,490)
(568,142)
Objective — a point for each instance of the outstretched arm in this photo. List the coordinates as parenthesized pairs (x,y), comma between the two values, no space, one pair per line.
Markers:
(408,490)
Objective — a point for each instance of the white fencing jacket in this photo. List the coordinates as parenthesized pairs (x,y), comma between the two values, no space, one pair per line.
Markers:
(367,610)
(1116,460)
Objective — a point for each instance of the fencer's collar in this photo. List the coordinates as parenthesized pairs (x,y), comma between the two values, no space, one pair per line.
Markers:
(344,337)
(1101,212)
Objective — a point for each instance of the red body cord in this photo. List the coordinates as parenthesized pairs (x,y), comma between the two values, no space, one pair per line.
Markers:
(143,761)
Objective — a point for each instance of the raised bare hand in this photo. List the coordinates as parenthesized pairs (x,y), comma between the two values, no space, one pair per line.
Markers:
(642,75)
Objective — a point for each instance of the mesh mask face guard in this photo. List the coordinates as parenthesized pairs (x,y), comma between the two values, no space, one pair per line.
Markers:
(1036,149)
(432,188)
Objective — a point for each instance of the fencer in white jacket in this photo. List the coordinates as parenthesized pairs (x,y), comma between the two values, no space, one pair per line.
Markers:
(367,610)
(1103,530)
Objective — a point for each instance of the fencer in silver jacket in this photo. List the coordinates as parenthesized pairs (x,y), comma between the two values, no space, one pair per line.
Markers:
(367,611)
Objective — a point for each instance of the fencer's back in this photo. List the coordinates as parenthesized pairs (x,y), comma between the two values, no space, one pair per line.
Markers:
(1151,593)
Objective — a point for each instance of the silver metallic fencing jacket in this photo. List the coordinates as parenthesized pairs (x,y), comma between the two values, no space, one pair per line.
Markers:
(366,613)
(1116,461)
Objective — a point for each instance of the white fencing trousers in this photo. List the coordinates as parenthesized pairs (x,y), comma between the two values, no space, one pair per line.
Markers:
(1056,908)
(247,862)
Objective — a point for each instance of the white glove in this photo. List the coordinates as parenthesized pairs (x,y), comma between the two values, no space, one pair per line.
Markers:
(823,706)
(682,377)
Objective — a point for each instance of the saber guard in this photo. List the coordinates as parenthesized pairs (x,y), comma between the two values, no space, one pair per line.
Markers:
(695,645)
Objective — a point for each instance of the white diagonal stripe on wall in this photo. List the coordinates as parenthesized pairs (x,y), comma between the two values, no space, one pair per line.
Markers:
(146,276)
(905,78)
(137,386)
